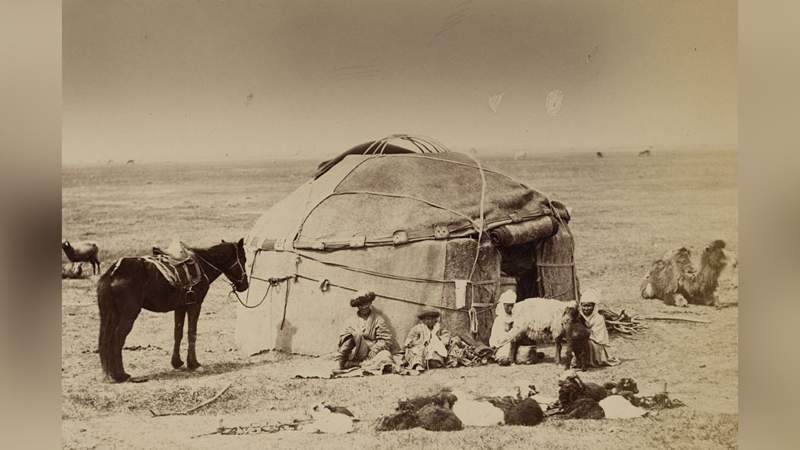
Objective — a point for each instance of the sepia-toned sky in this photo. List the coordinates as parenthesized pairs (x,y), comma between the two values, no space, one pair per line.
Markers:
(179,80)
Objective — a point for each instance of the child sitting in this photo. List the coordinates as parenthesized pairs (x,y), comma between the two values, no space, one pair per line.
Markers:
(426,343)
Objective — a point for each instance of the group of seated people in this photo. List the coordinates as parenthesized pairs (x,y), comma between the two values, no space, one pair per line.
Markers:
(366,337)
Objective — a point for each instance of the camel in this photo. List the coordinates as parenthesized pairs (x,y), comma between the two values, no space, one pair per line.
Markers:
(674,280)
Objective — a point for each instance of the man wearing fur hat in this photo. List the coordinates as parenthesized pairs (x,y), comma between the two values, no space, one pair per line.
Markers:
(426,344)
(365,336)
(598,338)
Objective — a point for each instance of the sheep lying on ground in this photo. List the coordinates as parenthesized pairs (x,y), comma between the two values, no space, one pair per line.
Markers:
(578,399)
(448,411)
(82,252)
(72,270)
(431,412)
(626,387)
(518,410)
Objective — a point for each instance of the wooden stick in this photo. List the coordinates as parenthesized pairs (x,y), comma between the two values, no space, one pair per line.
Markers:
(615,322)
(195,408)
(681,319)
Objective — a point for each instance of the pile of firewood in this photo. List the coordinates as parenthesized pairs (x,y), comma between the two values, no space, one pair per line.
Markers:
(622,323)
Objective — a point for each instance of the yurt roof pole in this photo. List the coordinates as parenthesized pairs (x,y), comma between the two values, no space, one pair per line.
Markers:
(423,144)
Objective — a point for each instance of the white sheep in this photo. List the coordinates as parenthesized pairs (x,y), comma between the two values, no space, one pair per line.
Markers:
(541,319)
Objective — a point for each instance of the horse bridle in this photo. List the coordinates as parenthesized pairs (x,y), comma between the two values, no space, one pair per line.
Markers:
(235,263)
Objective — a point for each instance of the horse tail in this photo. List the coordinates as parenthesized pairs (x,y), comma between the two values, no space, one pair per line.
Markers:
(109,318)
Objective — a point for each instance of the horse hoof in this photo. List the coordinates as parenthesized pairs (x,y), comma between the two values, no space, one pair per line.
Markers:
(194,366)
(176,363)
(121,378)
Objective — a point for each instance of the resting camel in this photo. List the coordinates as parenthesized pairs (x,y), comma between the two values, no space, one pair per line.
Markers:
(674,280)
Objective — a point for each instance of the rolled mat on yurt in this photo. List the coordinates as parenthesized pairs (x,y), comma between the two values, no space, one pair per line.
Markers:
(402,224)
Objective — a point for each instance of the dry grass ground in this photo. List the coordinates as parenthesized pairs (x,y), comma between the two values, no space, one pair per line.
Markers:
(627,212)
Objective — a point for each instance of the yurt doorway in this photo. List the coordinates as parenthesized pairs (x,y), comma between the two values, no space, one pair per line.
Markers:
(538,256)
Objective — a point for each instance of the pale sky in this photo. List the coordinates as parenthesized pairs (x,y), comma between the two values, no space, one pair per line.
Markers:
(178,80)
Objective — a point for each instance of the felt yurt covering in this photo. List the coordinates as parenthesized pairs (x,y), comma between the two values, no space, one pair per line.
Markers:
(405,225)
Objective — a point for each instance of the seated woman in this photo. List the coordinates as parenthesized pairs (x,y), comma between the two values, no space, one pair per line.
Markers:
(501,339)
(503,323)
(365,338)
(598,338)
(426,343)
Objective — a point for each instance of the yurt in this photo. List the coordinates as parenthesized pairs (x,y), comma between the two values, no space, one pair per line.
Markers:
(418,225)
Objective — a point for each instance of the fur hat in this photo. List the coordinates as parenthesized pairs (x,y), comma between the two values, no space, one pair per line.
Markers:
(362,298)
(428,312)
(590,296)
(508,297)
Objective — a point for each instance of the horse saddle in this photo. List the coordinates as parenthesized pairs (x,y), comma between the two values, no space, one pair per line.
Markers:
(179,269)
(177,253)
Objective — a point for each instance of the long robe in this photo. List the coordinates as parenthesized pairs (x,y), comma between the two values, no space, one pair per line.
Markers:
(371,337)
(500,328)
(598,339)
(423,345)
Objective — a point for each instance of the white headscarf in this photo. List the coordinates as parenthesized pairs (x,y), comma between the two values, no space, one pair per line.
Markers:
(508,297)
(595,321)
(591,296)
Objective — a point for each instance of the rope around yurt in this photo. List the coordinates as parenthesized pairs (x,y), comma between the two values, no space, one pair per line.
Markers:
(473,315)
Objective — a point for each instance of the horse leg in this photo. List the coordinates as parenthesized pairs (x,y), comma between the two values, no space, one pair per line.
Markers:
(180,318)
(108,323)
(95,262)
(124,326)
(193,311)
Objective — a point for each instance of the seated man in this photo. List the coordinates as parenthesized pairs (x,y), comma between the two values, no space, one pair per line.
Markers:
(598,337)
(426,343)
(365,336)
(502,325)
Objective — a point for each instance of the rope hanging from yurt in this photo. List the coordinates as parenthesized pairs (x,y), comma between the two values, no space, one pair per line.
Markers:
(473,315)
(271,282)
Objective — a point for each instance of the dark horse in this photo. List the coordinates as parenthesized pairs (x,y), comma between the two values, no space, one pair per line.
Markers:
(131,284)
